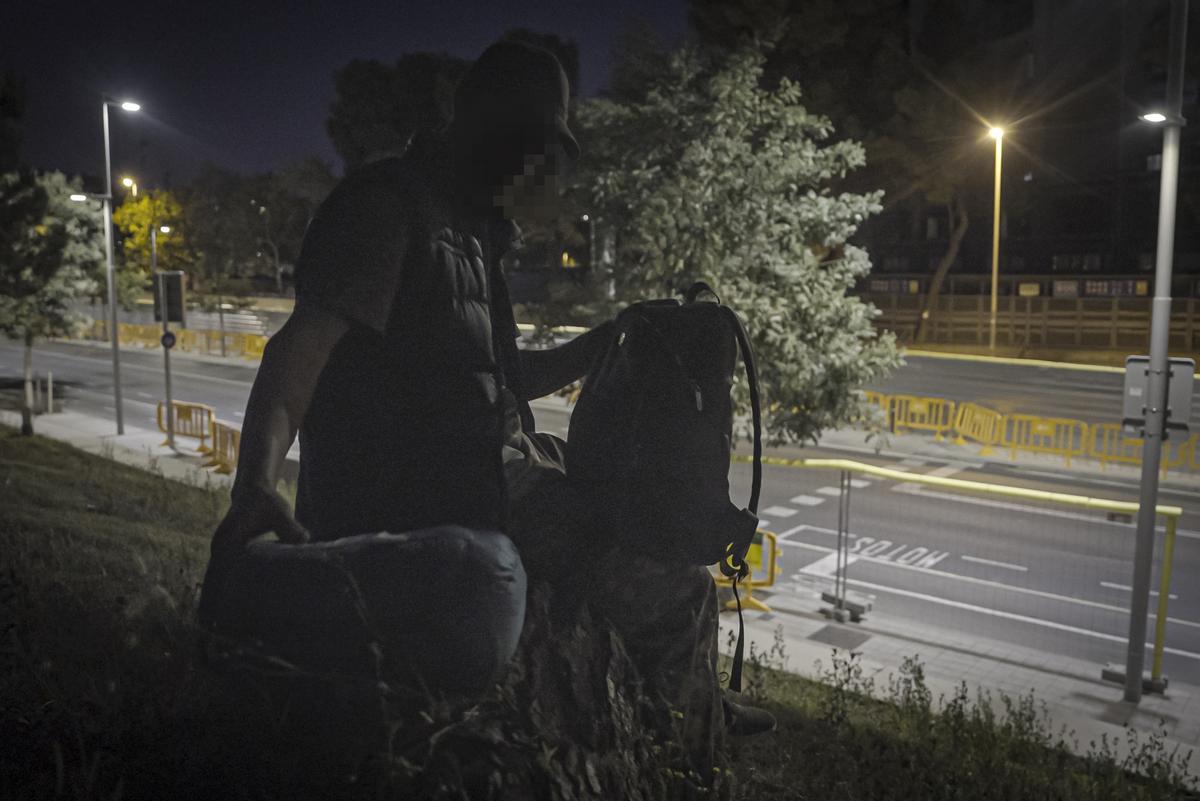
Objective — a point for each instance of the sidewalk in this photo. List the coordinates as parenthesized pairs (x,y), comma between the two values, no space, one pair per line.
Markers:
(1076,701)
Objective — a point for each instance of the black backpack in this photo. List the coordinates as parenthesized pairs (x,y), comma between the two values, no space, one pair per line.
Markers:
(651,435)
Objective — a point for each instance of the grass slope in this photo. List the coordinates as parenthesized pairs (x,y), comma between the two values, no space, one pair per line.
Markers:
(102,694)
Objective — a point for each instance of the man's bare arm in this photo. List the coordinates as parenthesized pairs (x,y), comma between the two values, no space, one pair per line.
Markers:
(550,370)
(287,377)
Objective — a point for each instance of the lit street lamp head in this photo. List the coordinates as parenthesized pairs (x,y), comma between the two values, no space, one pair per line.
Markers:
(996,133)
(126,182)
(1154,116)
(166,229)
(129,105)
(78,198)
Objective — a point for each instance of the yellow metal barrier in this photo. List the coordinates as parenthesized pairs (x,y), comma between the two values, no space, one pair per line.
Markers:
(922,414)
(981,424)
(1171,513)
(252,347)
(1059,436)
(226,441)
(758,560)
(191,420)
(1107,443)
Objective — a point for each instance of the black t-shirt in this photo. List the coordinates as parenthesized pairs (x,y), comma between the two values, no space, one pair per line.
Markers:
(410,414)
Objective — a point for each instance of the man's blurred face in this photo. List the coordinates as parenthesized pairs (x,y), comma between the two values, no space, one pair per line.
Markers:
(533,194)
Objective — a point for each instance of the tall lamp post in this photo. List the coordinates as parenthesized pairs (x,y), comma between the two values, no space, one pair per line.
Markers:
(998,135)
(164,306)
(110,273)
(1172,121)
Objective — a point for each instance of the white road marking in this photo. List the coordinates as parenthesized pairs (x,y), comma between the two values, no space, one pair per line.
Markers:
(826,566)
(1127,588)
(994,563)
(911,463)
(157,370)
(238,414)
(144,395)
(831,491)
(807,500)
(779,511)
(948,470)
(859,483)
(1050,624)
(985,582)
(790,532)
(915,489)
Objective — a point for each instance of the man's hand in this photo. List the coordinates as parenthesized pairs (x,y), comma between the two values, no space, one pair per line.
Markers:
(256,511)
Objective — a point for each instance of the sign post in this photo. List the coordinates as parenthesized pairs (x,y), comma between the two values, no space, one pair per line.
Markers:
(168,307)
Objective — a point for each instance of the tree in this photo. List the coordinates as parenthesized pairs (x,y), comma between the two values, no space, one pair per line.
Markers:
(285,202)
(50,253)
(714,177)
(377,107)
(136,217)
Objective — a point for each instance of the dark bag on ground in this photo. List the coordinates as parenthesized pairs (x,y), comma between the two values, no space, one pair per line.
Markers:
(438,609)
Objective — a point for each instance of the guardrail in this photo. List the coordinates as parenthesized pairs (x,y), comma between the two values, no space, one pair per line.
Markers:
(922,414)
(1171,514)
(1057,436)
(980,424)
(226,441)
(193,420)
(192,340)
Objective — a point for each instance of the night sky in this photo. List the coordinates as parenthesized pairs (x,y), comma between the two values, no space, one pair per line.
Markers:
(247,86)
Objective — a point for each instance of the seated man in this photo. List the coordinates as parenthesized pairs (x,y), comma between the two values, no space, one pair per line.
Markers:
(399,369)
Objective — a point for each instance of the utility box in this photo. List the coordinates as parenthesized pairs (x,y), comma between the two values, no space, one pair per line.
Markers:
(1180,373)
(170,284)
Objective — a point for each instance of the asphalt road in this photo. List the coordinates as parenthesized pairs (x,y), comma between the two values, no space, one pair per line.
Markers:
(1003,570)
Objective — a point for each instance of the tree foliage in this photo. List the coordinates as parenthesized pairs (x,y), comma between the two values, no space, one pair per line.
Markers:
(51,253)
(715,177)
(136,217)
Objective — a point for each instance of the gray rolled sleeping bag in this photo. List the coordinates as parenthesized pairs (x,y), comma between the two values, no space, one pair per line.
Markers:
(445,605)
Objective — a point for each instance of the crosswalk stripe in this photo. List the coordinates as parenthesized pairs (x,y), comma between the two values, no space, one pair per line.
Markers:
(779,511)
(832,491)
(807,500)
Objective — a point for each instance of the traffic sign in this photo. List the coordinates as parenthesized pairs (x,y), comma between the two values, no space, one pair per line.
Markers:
(168,340)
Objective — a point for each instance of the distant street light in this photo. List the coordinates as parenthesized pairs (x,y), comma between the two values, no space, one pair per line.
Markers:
(998,135)
(79,198)
(111,273)
(129,183)
(1154,117)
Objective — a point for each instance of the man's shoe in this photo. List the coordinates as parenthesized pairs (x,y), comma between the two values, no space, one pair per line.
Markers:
(746,721)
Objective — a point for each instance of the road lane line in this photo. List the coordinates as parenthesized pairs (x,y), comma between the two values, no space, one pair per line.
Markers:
(826,566)
(911,463)
(994,563)
(807,500)
(155,370)
(1127,588)
(790,532)
(945,471)
(982,582)
(830,491)
(859,483)
(997,613)
(779,511)
(1011,616)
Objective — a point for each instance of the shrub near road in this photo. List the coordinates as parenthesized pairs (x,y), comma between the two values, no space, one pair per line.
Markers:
(102,694)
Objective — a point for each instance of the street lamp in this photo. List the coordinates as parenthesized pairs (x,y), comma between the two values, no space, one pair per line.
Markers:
(997,134)
(129,183)
(168,338)
(111,271)
(1160,327)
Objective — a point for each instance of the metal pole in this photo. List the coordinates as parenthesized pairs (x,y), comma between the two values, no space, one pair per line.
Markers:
(162,304)
(995,246)
(1156,393)
(113,336)
(1164,594)
(49,392)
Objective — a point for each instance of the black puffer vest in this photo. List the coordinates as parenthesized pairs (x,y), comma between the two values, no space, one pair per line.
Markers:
(406,428)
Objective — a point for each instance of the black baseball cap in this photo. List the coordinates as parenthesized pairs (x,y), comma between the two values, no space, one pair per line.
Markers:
(516,86)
